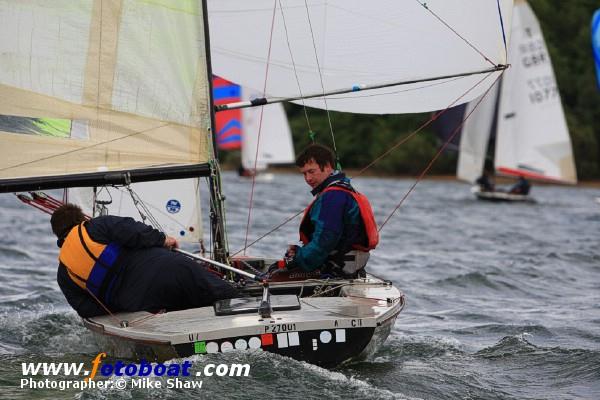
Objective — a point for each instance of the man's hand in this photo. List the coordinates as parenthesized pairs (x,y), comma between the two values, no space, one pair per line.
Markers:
(171,243)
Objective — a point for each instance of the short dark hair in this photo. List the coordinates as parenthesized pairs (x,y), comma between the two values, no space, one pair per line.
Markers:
(322,155)
(64,218)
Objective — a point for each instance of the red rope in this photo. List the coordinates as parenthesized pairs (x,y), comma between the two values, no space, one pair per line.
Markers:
(403,140)
(42,202)
(439,152)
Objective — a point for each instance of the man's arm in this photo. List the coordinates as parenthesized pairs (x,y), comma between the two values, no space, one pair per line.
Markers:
(327,216)
(125,231)
(78,298)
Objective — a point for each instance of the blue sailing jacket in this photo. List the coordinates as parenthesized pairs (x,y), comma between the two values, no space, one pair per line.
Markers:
(334,223)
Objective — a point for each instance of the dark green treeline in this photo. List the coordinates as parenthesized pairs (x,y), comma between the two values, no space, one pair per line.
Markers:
(360,139)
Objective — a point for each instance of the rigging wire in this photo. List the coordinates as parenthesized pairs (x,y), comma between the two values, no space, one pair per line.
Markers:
(312,34)
(400,142)
(425,6)
(503,31)
(436,156)
(142,208)
(262,108)
(305,108)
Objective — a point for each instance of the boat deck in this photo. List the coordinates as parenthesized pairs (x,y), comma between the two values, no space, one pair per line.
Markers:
(360,304)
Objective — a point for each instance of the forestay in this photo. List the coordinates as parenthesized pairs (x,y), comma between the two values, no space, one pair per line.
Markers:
(93,85)
(361,43)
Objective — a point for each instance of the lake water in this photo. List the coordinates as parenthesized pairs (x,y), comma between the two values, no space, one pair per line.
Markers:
(503,300)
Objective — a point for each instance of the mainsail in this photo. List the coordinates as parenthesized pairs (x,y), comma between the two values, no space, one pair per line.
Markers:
(318,46)
(526,118)
(101,86)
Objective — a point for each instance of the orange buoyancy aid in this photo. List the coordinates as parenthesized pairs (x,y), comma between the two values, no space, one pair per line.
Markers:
(366,214)
(91,265)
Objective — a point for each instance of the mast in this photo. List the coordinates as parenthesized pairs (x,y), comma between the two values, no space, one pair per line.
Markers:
(217,202)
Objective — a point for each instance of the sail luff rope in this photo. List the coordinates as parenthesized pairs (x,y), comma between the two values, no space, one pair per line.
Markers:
(287,38)
(436,156)
(312,34)
(503,31)
(403,140)
(424,5)
(260,125)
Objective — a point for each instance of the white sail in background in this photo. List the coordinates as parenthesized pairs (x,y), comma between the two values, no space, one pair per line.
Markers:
(174,204)
(276,146)
(532,138)
(475,135)
(89,86)
(360,43)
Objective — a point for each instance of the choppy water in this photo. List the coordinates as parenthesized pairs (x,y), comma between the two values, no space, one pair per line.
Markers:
(503,299)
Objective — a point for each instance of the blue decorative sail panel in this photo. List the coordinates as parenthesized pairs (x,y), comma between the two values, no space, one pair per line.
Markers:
(228,123)
(596,43)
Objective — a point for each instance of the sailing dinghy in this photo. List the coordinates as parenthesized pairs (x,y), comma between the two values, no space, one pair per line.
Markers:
(522,117)
(99,93)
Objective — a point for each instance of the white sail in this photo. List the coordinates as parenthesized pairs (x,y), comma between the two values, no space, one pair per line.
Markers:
(89,86)
(276,146)
(475,135)
(360,43)
(533,138)
(174,204)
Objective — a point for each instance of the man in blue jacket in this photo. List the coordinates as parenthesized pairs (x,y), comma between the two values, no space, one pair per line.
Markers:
(522,187)
(111,263)
(338,229)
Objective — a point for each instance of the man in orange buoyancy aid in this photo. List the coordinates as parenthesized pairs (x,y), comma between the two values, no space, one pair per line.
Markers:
(120,264)
(338,228)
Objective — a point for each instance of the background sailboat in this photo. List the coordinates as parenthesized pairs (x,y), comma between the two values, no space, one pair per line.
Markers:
(240,129)
(521,120)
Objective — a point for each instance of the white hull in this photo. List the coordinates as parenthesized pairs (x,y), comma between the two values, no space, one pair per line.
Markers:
(325,330)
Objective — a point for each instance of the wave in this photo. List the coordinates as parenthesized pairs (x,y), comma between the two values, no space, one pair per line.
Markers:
(45,331)
(565,364)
